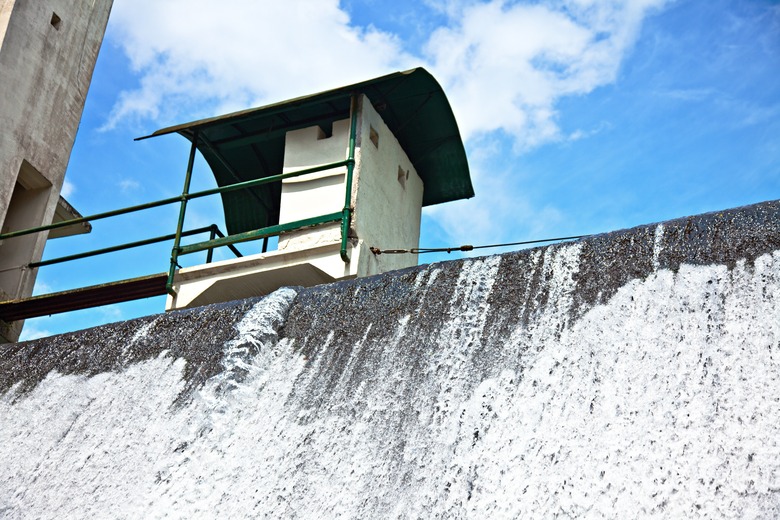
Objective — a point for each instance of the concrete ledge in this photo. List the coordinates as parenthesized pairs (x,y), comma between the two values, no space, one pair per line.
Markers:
(261,274)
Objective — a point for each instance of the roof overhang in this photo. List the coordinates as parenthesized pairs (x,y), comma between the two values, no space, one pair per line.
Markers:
(64,211)
(250,143)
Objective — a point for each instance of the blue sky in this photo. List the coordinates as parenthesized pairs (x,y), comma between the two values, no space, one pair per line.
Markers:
(578,116)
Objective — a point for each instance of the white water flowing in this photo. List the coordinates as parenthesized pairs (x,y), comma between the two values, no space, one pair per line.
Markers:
(662,402)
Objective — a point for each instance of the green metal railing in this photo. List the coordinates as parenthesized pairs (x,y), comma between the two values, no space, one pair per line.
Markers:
(217,239)
(344,217)
(346,214)
(212,229)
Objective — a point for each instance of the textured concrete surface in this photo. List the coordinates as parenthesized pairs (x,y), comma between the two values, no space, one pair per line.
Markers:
(48,51)
(631,374)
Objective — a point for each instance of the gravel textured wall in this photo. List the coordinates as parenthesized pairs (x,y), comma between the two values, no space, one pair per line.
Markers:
(631,374)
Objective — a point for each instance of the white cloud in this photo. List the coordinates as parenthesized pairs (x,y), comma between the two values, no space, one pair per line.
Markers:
(128,185)
(110,313)
(68,189)
(198,57)
(31,332)
(500,213)
(584,134)
(503,64)
(42,286)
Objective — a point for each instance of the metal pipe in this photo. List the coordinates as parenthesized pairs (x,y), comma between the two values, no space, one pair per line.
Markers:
(265,180)
(346,213)
(210,252)
(113,249)
(171,200)
(182,211)
(96,216)
(260,233)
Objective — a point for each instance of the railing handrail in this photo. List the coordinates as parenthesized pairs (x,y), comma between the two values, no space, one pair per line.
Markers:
(130,245)
(179,198)
(268,231)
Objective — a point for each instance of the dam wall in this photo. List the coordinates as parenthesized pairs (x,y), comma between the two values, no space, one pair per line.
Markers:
(634,374)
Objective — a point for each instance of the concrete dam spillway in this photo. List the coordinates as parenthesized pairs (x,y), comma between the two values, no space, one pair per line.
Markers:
(630,374)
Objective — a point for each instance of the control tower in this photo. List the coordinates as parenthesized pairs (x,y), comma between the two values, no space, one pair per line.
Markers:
(332,175)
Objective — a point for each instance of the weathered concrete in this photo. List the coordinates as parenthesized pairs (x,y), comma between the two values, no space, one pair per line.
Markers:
(631,374)
(47,54)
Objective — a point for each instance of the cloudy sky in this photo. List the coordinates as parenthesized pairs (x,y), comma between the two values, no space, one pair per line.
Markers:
(579,116)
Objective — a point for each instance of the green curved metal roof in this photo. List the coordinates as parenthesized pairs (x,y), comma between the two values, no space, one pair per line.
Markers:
(249,144)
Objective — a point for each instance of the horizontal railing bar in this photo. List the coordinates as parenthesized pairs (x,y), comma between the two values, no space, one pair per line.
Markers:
(265,180)
(97,216)
(260,233)
(178,198)
(120,247)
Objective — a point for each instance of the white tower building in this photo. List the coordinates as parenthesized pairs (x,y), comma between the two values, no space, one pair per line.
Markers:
(333,175)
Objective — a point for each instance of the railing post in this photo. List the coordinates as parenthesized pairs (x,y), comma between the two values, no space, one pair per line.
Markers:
(346,214)
(182,210)
(212,236)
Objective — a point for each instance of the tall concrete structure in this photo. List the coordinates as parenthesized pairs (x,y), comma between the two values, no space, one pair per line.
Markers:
(48,50)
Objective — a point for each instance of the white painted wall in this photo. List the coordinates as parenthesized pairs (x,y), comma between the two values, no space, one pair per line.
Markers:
(313,194)
(386,209)
(45,71)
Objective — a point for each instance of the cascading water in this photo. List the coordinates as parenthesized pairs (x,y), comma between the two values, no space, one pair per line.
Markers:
(633,374)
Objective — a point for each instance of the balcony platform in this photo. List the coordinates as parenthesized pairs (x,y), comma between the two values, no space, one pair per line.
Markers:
(263,273)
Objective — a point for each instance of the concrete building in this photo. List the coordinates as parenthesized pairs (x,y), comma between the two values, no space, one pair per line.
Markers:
(357,165)
(48,50)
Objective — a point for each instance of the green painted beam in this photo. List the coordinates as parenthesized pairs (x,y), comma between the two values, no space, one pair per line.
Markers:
(122,247)
(260,233)
(346,213)
(172,200)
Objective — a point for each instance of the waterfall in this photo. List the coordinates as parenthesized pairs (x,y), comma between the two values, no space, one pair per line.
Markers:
(631,374)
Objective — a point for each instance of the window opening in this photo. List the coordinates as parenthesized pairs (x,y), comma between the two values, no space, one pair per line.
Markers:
(25,210)
(373,136)
(403,176)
